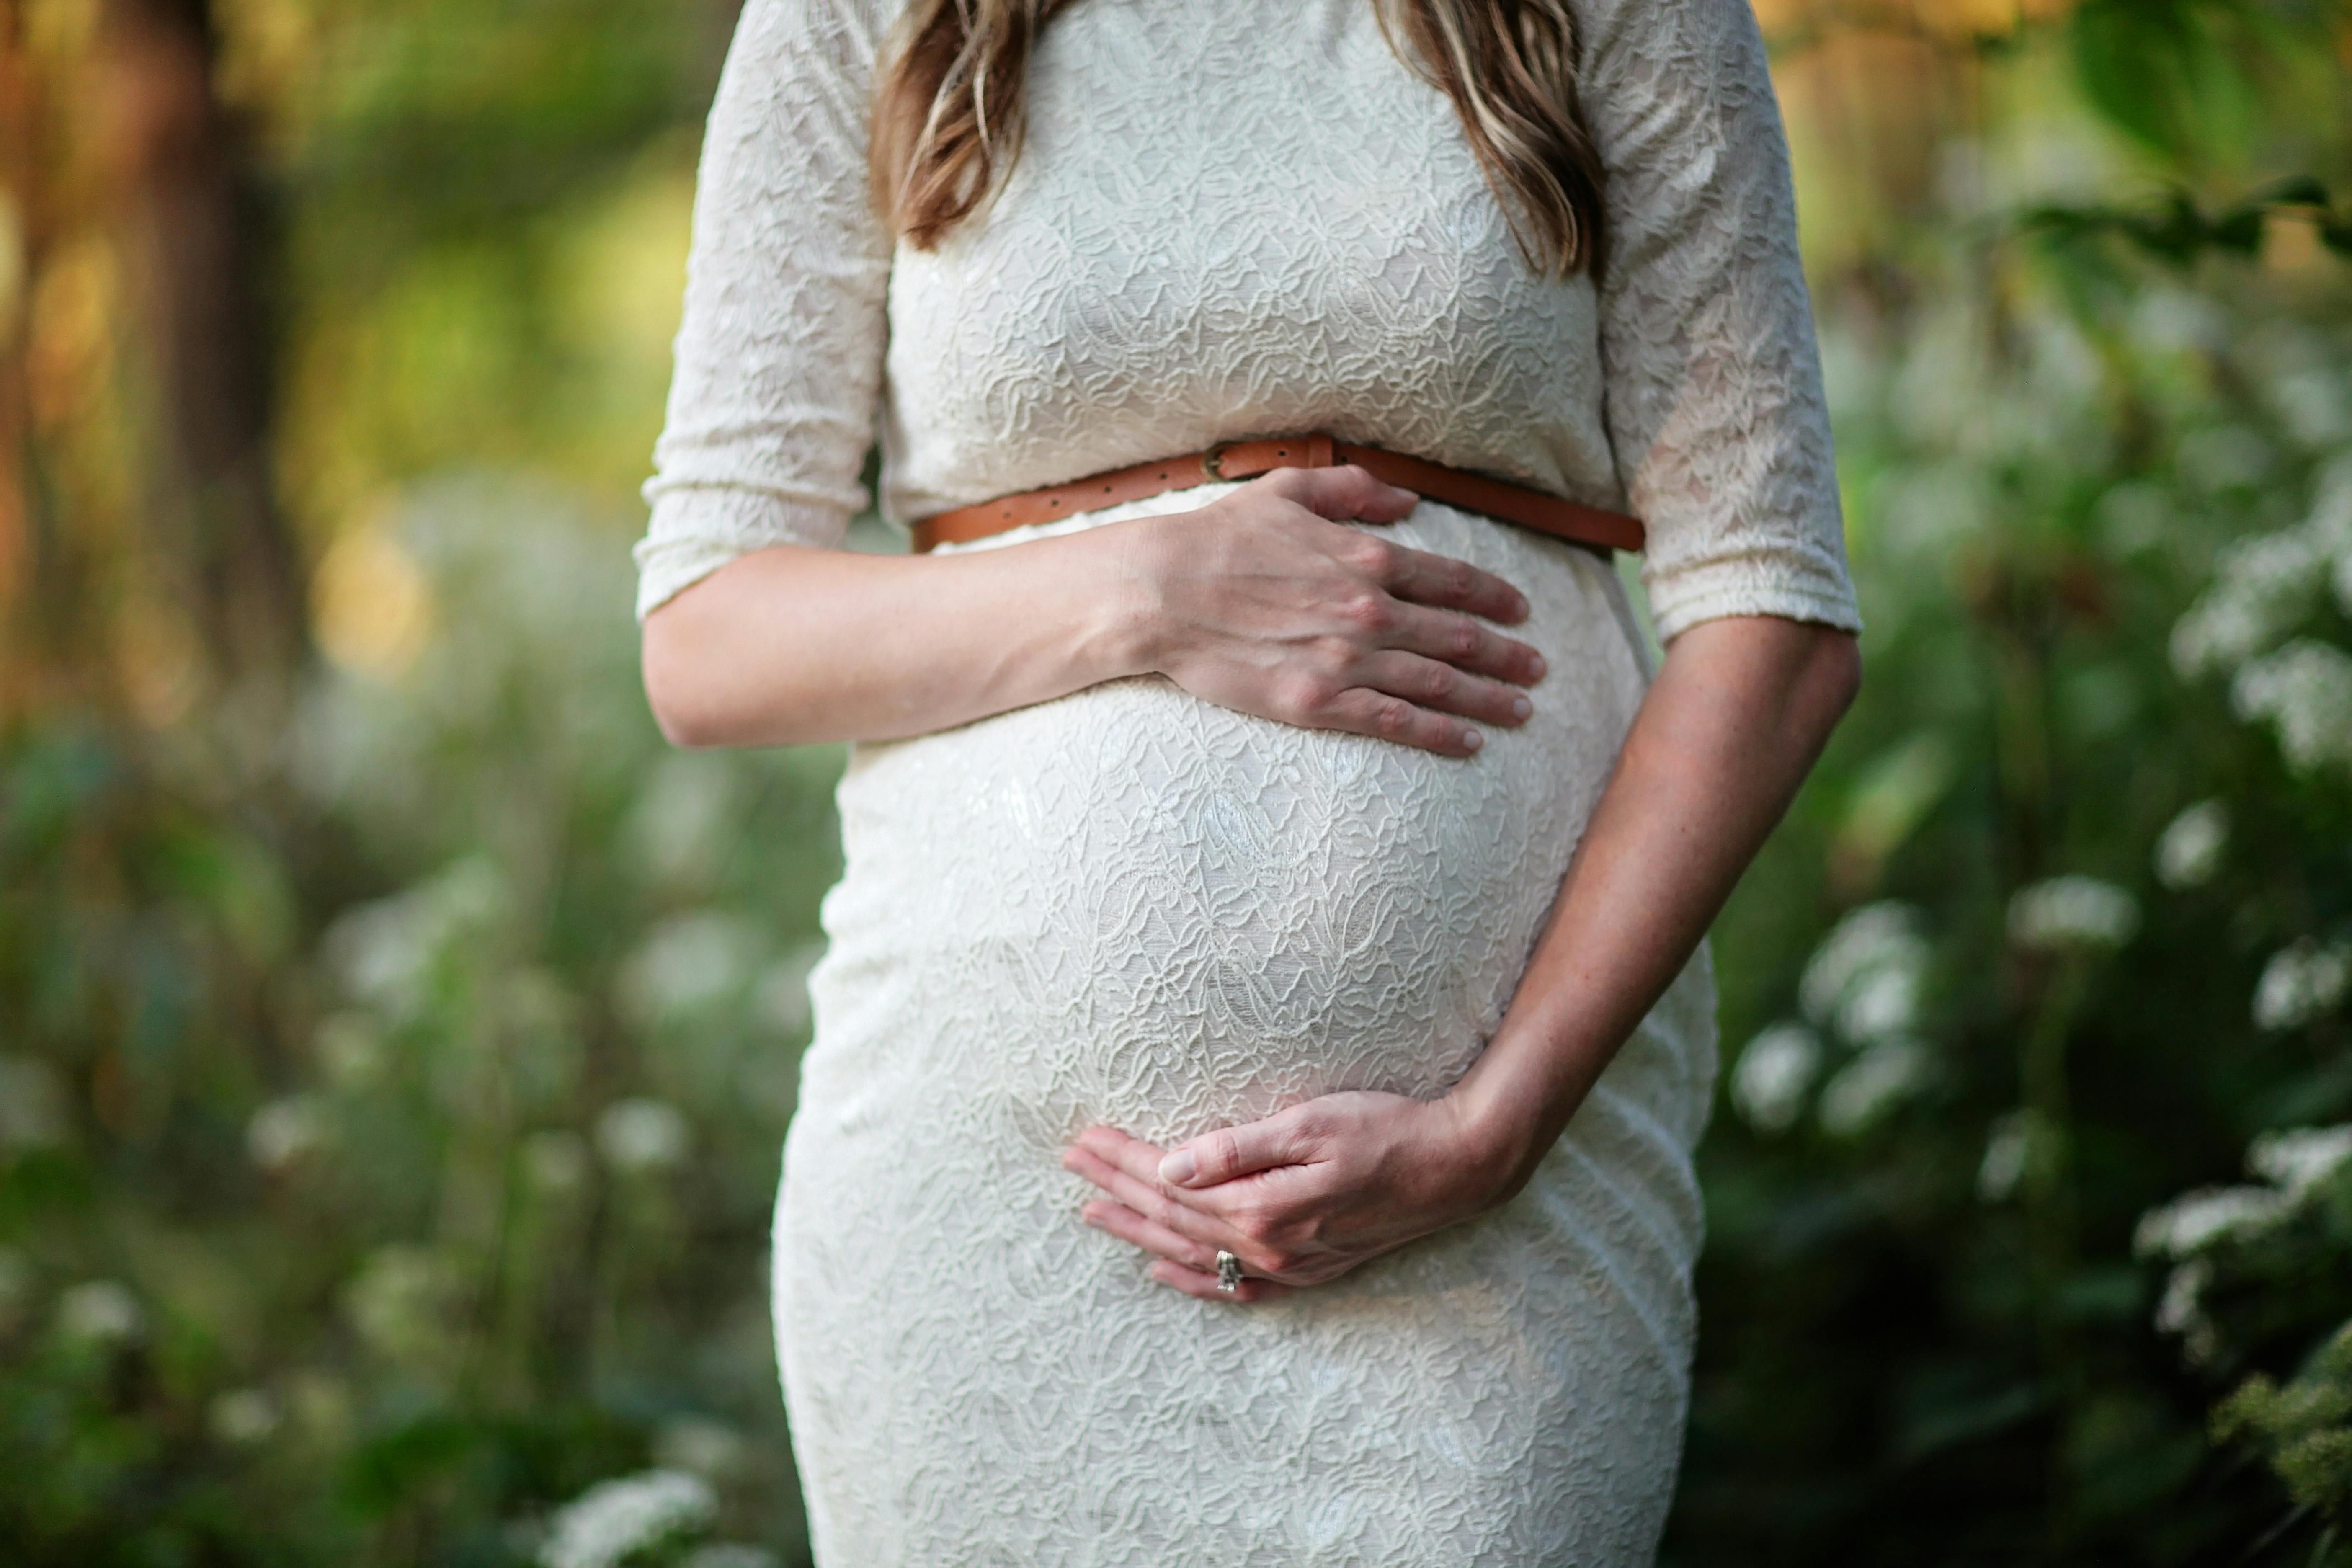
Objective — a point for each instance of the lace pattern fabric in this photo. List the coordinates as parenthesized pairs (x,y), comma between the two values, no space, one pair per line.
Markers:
(1231,220)
(1132,906)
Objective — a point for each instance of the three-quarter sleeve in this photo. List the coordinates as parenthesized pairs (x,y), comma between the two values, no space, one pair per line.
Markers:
(1712,374)
(779,352)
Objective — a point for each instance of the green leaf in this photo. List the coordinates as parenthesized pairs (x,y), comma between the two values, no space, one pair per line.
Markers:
(2180,77)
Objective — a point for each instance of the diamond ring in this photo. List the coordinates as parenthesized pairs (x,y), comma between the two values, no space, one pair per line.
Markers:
(1229,1273)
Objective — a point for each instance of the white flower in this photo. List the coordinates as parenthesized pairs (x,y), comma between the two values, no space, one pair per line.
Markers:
(2006,1149)
(2188,851)
(2263,587)
(2302,982)
(2310,403)
(101,1311)
(687,965)
(386,951)
(32,1104)
(615,1519)
(1774,1073)
(1873,1084)
(2071,912)
(2194,1221)
(642,1135)
(2329,526)
(2300,1159)
(1872,939)
(285,1130)
(2304,689)
(2184,1289)
(244,1416)
(1882,1002)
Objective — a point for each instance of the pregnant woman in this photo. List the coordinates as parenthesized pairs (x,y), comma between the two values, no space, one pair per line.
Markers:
(1264,1027)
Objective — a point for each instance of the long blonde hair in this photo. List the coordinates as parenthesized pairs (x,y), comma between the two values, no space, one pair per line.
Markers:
(949,116)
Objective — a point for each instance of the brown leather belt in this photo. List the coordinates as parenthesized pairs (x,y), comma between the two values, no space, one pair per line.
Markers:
(1244,459)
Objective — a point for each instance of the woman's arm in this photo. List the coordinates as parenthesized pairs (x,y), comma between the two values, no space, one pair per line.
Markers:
(1734,720)
(1259,600)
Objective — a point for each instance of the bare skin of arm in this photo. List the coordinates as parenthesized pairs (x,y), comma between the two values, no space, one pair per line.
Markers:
(1263,602)
(1259,600)
(1736,717)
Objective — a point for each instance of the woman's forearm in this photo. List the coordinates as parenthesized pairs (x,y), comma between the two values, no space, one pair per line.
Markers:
(793,644)
(1736,717)
(1260,601)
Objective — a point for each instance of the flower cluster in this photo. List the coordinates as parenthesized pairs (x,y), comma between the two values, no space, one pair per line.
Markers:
(2297,1166)
(2304,691)
(2264,586)
(2264,589)
(2188,851)
(2302,983)
(617,1520)
(1864,986)
(2068,914)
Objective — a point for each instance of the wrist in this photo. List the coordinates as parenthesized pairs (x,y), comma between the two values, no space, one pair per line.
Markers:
(1126,620)
(1505,1127)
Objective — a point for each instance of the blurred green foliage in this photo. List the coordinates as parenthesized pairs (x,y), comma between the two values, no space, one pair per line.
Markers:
(393,1056)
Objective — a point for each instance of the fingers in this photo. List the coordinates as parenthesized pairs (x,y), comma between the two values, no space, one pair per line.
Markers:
(1149,1235)
(1361,711)
(1348,494)
(1343,494)
(1147,1198)
(1448,585)
(1441,688)
(1231,1152)
(1465,644)
(1192,1283)
(1183,1264)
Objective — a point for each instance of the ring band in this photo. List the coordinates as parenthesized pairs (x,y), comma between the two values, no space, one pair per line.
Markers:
(1229,1273)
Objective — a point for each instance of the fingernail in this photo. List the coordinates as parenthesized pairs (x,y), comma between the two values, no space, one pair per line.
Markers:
(1472,740)
(1536,666)
(1179,1169)
(1521,707)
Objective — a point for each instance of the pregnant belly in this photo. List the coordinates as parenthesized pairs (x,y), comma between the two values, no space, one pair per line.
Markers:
(1130,906)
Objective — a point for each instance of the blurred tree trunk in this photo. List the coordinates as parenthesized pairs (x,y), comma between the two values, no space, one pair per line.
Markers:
(199,247)
(16,217)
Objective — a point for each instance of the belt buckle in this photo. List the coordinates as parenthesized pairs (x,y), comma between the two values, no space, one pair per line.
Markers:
(1213,460)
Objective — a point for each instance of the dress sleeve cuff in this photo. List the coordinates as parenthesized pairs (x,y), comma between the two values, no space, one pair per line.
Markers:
(1682,599)
(698,529)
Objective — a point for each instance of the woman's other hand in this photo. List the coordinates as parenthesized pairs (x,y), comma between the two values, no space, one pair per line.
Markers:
(1261,601)
(1300,1198)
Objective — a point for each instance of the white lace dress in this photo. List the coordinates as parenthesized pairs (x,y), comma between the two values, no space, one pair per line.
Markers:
(1235,217)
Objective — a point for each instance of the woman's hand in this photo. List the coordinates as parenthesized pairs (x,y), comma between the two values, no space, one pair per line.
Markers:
(1261,601)
(1300,1198)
